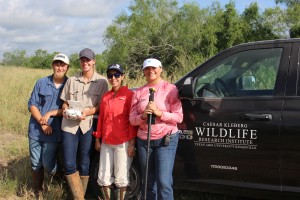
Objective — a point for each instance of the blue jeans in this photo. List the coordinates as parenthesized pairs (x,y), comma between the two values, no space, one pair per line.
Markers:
(77,145)
(43,154)
(161,162)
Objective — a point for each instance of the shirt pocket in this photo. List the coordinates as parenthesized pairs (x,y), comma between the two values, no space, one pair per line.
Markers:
(74,95)
(93,98)
(45,97)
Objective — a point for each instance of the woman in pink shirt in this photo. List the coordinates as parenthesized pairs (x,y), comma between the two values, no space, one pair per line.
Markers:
(115,135)
(164,133)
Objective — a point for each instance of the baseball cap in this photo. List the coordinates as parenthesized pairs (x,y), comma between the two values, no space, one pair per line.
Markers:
(117,67)
(88,53)
(151,62)
(62,57)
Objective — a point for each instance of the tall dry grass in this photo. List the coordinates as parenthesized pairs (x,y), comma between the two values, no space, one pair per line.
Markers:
(16,85)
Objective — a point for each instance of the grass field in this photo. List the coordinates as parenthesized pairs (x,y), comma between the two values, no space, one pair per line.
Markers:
(15,174)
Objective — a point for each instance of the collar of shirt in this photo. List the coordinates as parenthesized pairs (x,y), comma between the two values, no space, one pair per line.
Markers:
(51,82)
(120,91)
(79,77)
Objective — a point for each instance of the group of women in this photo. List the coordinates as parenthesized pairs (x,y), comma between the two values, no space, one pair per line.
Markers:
(121,116)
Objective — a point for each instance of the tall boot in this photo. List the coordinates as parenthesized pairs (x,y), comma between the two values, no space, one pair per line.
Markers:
(84,182)
(38,182)
(75,186)
(121,192)
(105,192)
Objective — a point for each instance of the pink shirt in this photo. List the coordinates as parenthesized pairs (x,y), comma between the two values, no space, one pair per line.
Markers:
(167,100)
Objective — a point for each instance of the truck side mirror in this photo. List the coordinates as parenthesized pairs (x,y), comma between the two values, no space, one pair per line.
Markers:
(247,83)
(187,88)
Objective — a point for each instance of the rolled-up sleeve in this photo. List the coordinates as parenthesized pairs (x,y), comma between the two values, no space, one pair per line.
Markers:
(135,117)
(175,114)
(34,97)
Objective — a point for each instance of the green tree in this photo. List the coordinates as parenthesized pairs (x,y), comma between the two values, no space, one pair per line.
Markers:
(230,28)
(101,65)
(259,26)
(292,16)
(288,2)
(14,58)
(160,29)
(142,34)
(182,37)
(74,61)
(41,59)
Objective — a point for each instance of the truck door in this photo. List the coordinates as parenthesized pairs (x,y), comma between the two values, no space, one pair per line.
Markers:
(290,131)
(232,116)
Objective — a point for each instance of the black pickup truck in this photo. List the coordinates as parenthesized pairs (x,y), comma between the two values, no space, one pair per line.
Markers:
(241,128)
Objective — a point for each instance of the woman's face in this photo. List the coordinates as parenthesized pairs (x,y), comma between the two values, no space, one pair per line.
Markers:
(152,74)
(115,78)
(59,68)
(87,64)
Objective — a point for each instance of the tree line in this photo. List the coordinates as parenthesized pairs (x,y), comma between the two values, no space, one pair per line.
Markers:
(41,59)
(182,37)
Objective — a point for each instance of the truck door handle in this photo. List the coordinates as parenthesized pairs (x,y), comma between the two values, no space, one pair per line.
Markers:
(258,117)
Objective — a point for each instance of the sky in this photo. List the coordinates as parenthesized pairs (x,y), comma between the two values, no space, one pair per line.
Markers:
(67,26)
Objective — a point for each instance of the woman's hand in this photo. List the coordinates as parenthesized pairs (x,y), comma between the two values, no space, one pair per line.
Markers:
(47,129)
(65,114)
(44,119)
(83,116)
(131,150)
(97,144)
(152,109)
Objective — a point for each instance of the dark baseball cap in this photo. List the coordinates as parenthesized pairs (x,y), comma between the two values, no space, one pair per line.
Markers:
(88,53)
(117,67)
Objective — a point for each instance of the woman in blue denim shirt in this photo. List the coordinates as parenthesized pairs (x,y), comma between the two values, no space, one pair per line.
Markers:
(44,131)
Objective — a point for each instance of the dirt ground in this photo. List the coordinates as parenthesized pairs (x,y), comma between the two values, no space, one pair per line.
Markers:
(11,148)
(5,139)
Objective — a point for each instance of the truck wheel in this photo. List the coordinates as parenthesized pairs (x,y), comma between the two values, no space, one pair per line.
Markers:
(135,179)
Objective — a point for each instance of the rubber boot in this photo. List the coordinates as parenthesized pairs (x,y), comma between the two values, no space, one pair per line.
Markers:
(106,192)
(38,183)
(75,186)
(84,182)
(121,192)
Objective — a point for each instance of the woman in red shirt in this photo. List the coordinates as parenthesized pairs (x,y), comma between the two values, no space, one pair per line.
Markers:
(115,135)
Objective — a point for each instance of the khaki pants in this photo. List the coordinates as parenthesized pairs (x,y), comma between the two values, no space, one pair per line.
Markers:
(114,165)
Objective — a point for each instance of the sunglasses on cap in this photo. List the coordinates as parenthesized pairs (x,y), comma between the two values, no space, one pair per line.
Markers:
(116,75)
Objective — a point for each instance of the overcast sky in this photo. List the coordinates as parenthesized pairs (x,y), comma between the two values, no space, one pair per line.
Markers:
(68,25)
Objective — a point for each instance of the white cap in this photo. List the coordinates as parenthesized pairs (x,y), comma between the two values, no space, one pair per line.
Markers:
(62,57)
(151,62)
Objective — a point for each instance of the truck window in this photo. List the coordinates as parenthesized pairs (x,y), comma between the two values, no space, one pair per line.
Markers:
(247,73)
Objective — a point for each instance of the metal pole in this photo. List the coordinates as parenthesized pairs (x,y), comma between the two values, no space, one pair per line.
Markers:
(150,121)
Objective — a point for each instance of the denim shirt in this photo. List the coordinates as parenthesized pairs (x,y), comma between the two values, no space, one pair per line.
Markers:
(46,97)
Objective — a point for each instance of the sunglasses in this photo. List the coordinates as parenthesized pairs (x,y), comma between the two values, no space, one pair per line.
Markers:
(116,75)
